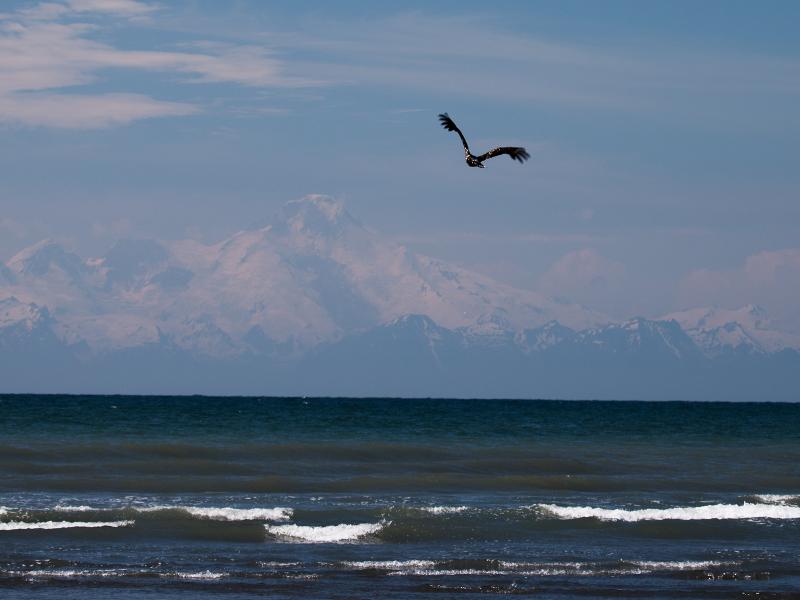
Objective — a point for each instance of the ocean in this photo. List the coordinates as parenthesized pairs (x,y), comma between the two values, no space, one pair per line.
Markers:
(199,497)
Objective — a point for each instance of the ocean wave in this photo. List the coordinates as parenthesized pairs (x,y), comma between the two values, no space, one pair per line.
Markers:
(777,498)
(207,575)
(444,510)
(545,569)
(389,565)
(214,513)
(240,514)
(679,565)
(343,532)
(678,513)
(70,573)
(19,525)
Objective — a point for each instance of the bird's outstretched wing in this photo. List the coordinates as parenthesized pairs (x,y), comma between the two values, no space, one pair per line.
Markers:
(519,154)
(448,124)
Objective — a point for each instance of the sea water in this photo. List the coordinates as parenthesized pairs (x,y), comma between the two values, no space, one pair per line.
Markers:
(163,497)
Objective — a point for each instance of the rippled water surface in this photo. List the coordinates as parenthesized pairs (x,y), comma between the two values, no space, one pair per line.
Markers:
(119,497)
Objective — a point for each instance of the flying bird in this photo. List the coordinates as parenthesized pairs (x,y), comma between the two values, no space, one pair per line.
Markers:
(515,153)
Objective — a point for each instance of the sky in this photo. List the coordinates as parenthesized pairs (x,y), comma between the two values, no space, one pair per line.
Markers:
(664,136)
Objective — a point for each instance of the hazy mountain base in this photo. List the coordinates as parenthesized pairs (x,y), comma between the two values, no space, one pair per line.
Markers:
(413,357)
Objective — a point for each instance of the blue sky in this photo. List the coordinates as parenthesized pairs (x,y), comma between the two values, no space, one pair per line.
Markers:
(664,135)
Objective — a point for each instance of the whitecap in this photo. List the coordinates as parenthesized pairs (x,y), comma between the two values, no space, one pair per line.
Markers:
(389,565)
(69,508)
(678,513)
(444,510)
(343,532)
(73,573)
(777,498)
(197,575)
(678,565)
(240,514)
(18,525)
(225,513)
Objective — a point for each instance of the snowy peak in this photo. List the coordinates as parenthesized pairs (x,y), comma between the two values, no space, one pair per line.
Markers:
(747,329)
(316,215)
(547,336)
(415,325)
(45,257)
(27,316)
(645,336)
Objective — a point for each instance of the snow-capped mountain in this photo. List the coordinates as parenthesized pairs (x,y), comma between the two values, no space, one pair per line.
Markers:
(317,303)
(747,329)
(313,275)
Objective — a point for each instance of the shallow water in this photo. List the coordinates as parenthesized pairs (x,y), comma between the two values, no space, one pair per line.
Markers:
(115,497)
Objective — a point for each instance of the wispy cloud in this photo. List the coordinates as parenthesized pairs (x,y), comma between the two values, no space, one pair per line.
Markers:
(118,7)
(476,57)
(42,49)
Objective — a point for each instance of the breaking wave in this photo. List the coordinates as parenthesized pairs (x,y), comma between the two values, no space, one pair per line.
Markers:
(233,514)
(343,532)
(445,510)
(778,498)
(213,513)
(678,513)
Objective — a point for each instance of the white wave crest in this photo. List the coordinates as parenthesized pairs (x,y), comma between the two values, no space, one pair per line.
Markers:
(343,532)
(679,513)
(240,514)
(70,508)
(777,498)
(679,565)
(68,573)
(215,513)
(18,525)
(389,565)
(444,510)
(198,575)
(623,568)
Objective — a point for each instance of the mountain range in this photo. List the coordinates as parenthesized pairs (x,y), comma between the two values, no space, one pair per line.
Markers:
(317,303)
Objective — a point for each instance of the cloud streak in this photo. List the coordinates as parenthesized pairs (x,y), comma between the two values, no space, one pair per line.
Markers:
(42,51)
(428,52)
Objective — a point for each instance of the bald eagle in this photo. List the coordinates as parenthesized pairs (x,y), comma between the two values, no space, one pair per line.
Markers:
(515,153)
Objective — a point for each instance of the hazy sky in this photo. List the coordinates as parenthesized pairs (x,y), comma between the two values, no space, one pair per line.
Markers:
(665,136)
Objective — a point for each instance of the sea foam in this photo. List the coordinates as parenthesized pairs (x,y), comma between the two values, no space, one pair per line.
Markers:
(343,532)
(678,513)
